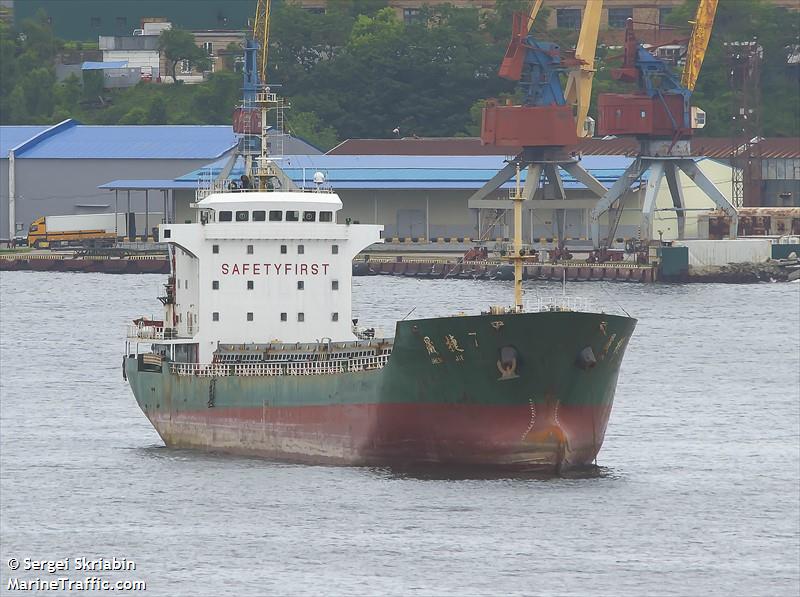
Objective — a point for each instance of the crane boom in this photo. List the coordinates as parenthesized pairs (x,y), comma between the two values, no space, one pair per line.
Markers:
(579,83)
(535,6)
(261,35)
(701,33)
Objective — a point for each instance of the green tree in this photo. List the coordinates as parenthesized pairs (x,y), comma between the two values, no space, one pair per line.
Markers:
(177,45)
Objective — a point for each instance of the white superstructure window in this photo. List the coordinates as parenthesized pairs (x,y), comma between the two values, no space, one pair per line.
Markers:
(284,317)
(215,316)
(301,249)
(225,216)
(215,285)
(283,249)
(335,285)
(301,285)
(275,216)
(334,317)
(309,216)
(249,249)
(215,249)
(242,216)
(259,216)
(249,316)
(292,216)
(249,285)
(326,216)
(334,249)
(301,317)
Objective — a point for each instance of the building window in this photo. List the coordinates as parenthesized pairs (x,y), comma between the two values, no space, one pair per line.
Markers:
(260,216)
(225,216)
(215,249)
(249,316)
(275,216)
(185,66)
(334,317)
(283,317)
(186,284)
(334,249)
(215,285)
(292,216)
(663,15)
(249,285)
(301,285)
(242,216)
(568,18)
(249,249)
(618,16)
(301,249)
(208,47)
(326,216)
(301,317)
(309,216)
(411,15)
(335,285)
(283,249)
(122,22)
(215,316)
(95,22)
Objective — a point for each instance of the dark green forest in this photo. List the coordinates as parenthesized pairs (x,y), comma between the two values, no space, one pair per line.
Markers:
(358,71)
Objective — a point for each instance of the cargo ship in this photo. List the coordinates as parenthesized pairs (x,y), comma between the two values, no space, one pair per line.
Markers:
(258,352)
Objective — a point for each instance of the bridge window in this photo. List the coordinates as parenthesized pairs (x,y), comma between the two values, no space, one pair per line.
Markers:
(309,216)
(275,216)
(242,216)
(618,16)
(326,216)
(568,18)
(260,216)
(225,216)
(292,216)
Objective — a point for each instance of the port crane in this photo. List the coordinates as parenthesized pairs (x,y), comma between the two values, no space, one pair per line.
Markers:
(250,119)
(660,115)
(549,120)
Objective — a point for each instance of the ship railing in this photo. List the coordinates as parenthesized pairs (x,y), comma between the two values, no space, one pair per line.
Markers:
(562,303)
(329,367)
(150,332)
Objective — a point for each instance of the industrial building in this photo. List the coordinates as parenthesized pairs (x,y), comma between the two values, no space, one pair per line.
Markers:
(57,170)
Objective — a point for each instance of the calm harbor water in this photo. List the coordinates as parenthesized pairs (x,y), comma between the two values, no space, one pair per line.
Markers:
(698,491)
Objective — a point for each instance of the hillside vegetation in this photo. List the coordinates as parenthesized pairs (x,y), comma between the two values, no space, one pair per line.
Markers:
(358,71)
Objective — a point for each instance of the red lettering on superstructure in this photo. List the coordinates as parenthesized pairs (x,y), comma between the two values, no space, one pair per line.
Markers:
(278,269)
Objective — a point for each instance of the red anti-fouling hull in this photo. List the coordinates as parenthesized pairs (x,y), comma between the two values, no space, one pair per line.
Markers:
(517,437)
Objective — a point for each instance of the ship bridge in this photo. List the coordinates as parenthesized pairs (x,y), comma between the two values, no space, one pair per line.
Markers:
(269,206)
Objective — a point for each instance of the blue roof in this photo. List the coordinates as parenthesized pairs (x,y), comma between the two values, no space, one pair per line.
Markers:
(104,65)
(71,140)
(147,184)
(410,172)
(11,136)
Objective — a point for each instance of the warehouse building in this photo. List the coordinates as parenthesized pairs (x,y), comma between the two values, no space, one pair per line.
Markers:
(57,170)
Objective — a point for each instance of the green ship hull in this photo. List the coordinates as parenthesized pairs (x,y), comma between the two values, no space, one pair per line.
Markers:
(523,391)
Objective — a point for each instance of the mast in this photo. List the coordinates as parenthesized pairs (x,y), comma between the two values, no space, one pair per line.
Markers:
(518,254)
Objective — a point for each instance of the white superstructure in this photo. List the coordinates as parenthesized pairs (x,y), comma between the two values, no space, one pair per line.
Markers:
(262,267)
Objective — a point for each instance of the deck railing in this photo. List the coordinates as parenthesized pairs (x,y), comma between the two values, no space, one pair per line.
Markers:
(562,303)
(274,369)
(150,332)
